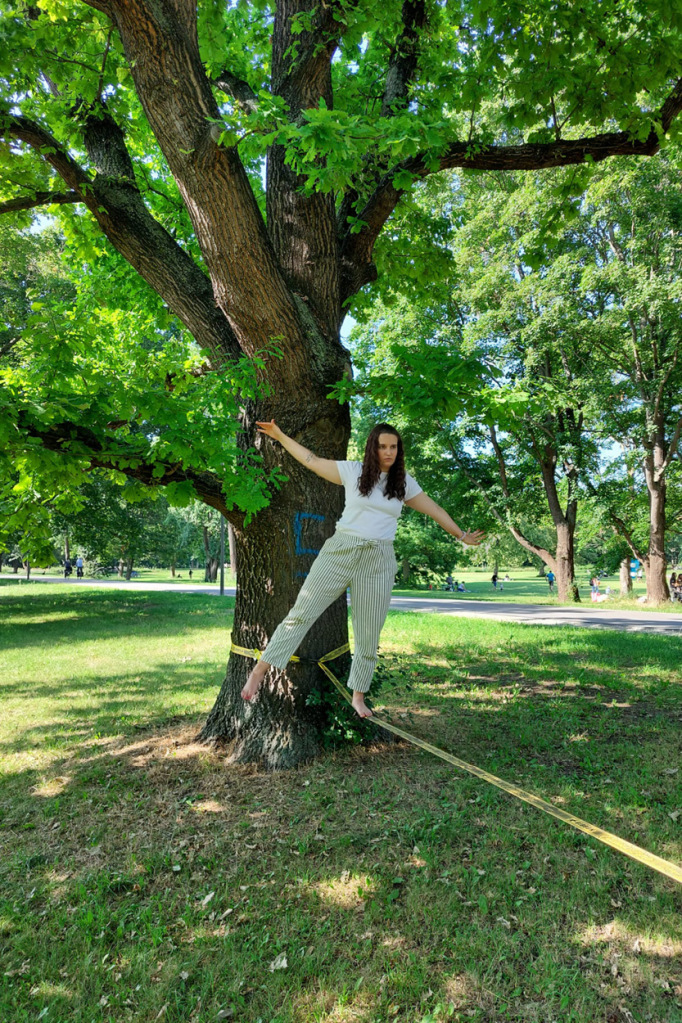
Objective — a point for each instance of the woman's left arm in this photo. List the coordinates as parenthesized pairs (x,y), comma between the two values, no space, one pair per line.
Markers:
(423,503)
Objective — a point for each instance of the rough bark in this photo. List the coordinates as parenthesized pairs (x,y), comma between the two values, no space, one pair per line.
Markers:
(210,558)
(564,520)
(277,548)
(657,591)
(655,463)
(565,570)
(232,543)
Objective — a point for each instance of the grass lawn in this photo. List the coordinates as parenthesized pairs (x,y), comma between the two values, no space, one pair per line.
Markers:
(143,878)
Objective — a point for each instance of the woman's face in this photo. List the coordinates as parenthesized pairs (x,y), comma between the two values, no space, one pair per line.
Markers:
(388,450)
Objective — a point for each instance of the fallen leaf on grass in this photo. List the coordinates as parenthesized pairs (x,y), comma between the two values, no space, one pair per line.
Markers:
(674,815)
(280,963)
(205,902)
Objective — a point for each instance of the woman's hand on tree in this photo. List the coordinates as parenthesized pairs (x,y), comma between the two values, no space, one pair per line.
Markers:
(271,429)
(473,539)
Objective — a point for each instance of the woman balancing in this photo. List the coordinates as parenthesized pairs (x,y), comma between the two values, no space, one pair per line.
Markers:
(359,555)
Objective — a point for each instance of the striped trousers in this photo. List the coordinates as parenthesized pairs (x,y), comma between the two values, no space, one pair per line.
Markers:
(368,567)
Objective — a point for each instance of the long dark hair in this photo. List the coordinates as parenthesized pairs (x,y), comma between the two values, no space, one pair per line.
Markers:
(371,467)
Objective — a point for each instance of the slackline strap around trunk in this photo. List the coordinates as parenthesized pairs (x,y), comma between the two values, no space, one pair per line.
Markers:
(671,870)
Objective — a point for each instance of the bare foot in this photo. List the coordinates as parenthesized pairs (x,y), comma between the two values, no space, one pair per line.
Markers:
(360,706)
(254,680)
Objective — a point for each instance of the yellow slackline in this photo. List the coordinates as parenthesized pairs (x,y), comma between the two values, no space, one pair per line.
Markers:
(665,867)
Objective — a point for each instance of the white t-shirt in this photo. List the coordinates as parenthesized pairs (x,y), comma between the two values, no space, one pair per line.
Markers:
(374,517)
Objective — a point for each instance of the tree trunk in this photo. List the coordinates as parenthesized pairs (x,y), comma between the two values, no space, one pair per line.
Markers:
(67,549)
(28,570)
(232,543)
(625,578)
(274,554)
(172,571)
(405,570)
(564,523)
(129,568)
(565,570)
(657,591)
(210,560)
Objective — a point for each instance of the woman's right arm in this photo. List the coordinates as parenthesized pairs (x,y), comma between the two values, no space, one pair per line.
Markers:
(324,467)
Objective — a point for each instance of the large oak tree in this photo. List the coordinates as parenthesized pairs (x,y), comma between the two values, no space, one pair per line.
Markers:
(243,159)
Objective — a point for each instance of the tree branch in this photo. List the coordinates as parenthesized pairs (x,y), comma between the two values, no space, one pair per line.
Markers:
(357,268)
(403,63)
(672,451)
(664,380)
(617,524)
(540,552)
(499,454)
(60,436)
(115,201)
(30,202)
(161,45)
(357,248)
(240,91)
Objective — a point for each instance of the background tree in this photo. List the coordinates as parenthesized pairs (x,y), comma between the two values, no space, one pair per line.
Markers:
(636,218)
(111,532)
(147,123)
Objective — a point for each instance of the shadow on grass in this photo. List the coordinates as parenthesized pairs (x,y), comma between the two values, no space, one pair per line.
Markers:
(80,617)
(389,883)
(118,704)
(378,865)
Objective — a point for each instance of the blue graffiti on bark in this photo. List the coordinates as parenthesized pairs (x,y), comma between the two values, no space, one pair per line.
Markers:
(299,519)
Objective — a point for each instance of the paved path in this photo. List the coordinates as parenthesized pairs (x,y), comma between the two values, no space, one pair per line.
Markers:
(585,616)
(543,614)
